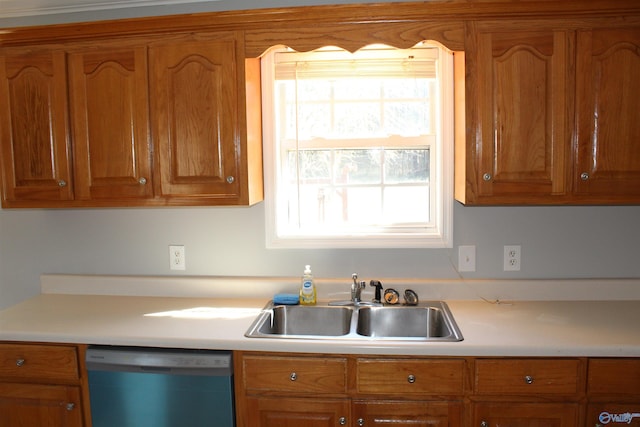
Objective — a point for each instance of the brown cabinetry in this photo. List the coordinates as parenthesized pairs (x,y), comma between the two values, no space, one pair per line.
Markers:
(196,117)
(613,387)
(33,126)
(518,83)
(77,122)
(348,390)
(607,104)
(40,385)
(110,133)
(527,392)
(551,113)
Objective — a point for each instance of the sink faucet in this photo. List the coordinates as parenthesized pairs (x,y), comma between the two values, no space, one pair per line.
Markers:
(356,289)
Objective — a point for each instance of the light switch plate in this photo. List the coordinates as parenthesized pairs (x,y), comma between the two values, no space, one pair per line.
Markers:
(467,258)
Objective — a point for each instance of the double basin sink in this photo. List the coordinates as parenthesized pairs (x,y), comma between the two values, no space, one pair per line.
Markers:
(428,321)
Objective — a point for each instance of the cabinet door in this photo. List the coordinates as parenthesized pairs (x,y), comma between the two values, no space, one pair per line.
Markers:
(607,102)
(194,99)
(110,124)
(39,405)
(33,127)
(517,92)
(508,414)
(407,414)
(292,412)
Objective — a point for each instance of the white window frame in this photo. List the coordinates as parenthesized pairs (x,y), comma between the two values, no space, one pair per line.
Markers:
(439,236)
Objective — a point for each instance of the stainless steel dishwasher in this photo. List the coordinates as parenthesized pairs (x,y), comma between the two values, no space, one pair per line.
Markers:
(149,387)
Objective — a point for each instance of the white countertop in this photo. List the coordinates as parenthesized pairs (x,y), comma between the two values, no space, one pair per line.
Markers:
(520,328)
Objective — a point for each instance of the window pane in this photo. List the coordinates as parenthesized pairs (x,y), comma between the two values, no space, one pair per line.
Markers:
(406,205)
(358,167)
(402,166)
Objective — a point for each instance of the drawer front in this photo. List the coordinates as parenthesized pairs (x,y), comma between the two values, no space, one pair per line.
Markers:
(614,376)
(299,375)
(47,362)
(527,376)
(406,377)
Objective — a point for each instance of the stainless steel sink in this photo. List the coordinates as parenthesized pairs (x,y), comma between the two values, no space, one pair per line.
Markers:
(407,322)
(429,321)
(299,320)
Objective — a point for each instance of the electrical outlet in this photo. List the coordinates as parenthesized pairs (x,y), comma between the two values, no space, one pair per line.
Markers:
(467,258)
(512,258)
(177,260)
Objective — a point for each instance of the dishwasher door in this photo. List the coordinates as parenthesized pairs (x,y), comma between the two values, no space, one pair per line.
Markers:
(145,387)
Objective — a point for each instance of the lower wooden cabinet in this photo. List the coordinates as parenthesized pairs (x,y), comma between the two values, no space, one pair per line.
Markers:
(509,414)
(40,405)
(42,385)
(407,414)
(285,412)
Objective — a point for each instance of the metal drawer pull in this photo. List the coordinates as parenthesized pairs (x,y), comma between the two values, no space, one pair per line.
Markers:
(293,376)
(360,422)
(19,362)
(70,406)
(142,181)
(528,379)
(342,421)
(62,183)
(487,177)
(230,179)
(484,424)
(411,378)
(584,176)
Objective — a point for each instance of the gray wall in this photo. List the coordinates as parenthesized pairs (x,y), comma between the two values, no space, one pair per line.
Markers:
(557,242)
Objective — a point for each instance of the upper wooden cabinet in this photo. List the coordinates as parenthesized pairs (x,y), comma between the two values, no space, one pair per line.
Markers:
(517,108)
(551,114)
(109,112)
(194,104)
(77,122)
(33,126)
(608,125)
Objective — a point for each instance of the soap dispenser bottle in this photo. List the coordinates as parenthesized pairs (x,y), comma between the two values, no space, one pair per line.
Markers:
(307,288)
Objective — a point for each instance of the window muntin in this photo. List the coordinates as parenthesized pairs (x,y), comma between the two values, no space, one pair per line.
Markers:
(354,154)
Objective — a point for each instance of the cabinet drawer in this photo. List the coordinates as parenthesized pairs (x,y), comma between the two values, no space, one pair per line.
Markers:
(614,376)
(527,376)
(47,362)
(299,375)
(402,377)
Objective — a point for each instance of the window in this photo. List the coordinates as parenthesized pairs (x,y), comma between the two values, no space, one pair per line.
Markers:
(358,147)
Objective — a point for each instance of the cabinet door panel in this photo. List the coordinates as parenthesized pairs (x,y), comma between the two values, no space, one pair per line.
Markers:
(289,412)
(195,118)
(519,99)
(109,106)
(608,128)
(33,127)
(39,405)
(408,414)
(525,415)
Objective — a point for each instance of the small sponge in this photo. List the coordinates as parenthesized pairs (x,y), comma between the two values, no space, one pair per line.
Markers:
(286,299)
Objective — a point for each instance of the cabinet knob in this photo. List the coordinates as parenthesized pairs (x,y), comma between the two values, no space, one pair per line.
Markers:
(62,183)
(342,421)
(487,177)
(293,376)
(70,406)
(19,362)
(360,422)
(142,181)
(484,424)
(528,379)
(230,179)
(584,176)
(411,378)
